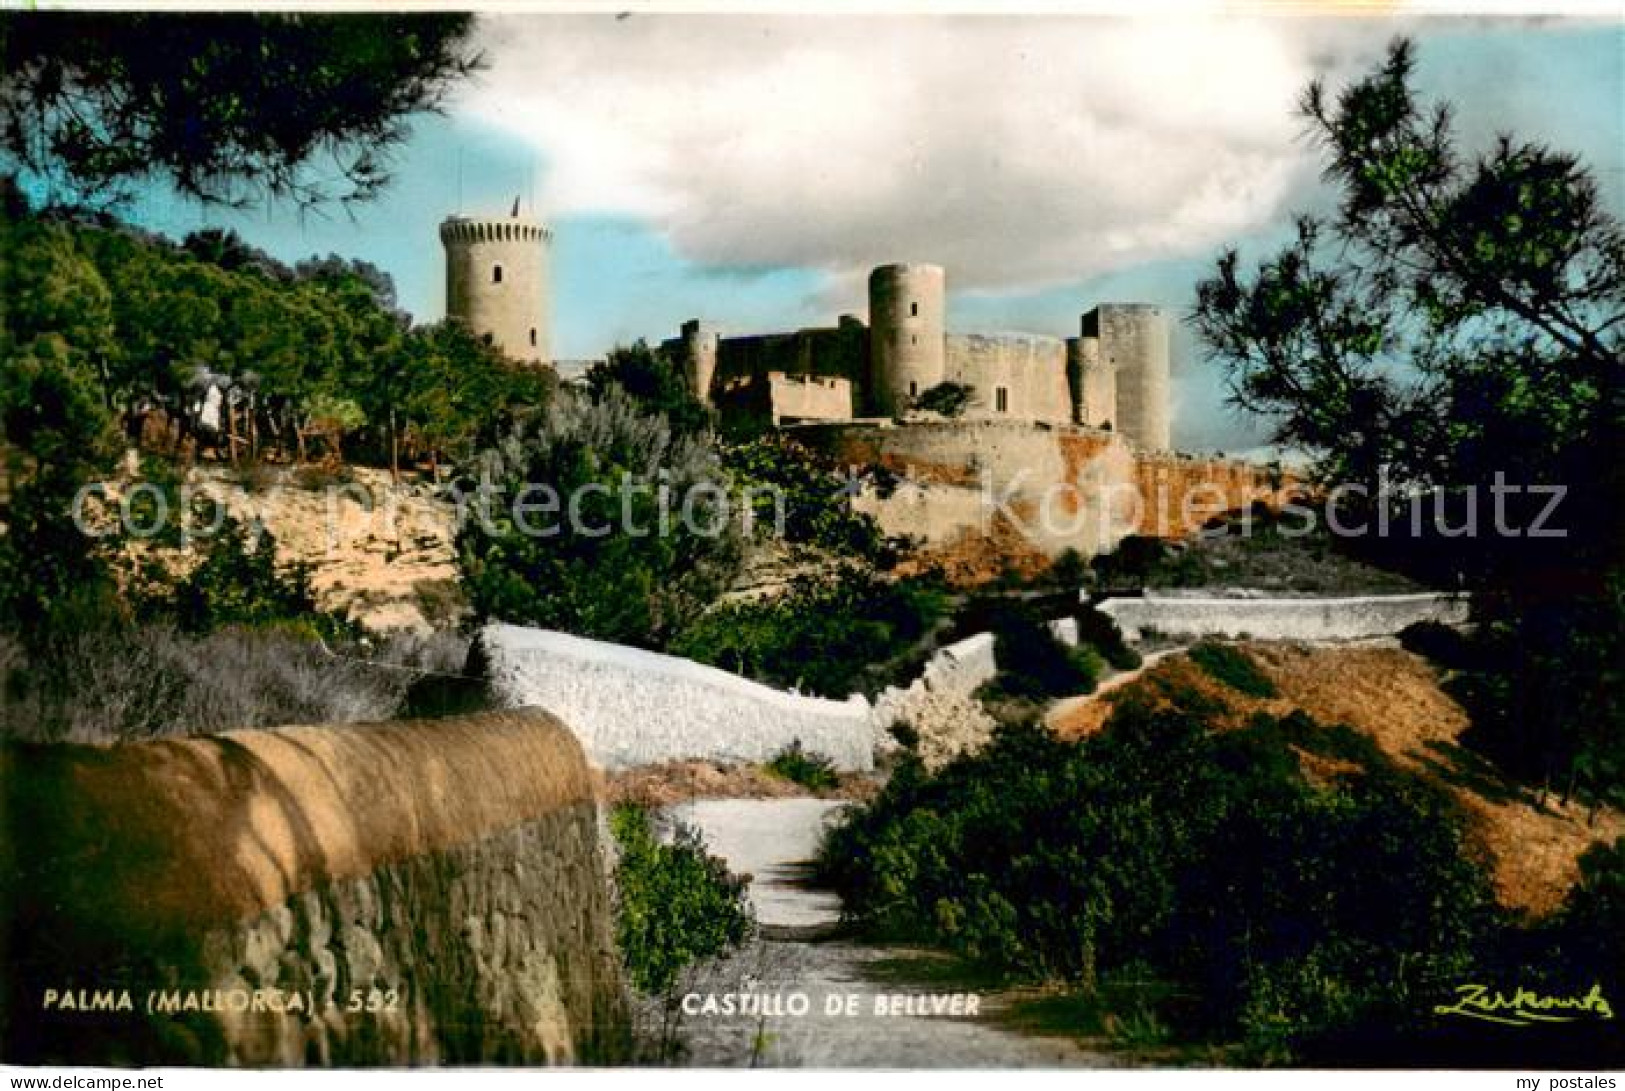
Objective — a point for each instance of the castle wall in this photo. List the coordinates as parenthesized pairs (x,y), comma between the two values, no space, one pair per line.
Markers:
(907,311)
(515,310)
(809,397)
(981,496)
(450,872)
(1178,495)
(1134,342)
(1030,370)
(838,352)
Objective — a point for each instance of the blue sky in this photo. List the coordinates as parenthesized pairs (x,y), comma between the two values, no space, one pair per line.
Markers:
(751,170)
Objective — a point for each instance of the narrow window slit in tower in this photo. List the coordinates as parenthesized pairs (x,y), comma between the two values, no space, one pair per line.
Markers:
(496,274)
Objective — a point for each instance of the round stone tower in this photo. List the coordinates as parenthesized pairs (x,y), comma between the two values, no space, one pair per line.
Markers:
(906,342)
(700,341)
(497,281)
(1134,343)
(1093,383)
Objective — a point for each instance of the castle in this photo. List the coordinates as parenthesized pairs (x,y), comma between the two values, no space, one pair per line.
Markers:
(1077,428)
(1115,374)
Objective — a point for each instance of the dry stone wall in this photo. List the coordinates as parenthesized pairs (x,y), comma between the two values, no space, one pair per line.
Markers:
(430,892)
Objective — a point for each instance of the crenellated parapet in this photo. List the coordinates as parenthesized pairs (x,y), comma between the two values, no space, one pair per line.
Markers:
(469,231)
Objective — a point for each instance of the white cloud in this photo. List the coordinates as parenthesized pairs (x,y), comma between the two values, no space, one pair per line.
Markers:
(1018,153)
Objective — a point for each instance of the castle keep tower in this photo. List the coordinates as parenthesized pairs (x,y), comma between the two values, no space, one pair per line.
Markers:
(907,346)
(497,281)
(1133,341)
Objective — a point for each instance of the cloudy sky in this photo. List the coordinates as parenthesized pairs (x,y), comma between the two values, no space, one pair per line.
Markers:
(751,170)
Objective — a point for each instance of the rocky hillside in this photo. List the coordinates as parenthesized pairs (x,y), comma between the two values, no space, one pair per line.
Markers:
(380,550)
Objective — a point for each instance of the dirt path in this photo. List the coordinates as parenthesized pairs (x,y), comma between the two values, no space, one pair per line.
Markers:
(831,1002)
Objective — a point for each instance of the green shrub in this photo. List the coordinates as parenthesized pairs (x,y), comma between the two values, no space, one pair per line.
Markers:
(906,734)
(1033,663)
(1100,632)
(608,463)
(1590,930)
(655,382)
(1070,570)
(1543,679)
(1141,560)
(809,492)
(796,765)
(107,681)
(1337,741)
(324,475)
(1441,643)
(831,635)
(677,905)
(1232,666)
(1205,858)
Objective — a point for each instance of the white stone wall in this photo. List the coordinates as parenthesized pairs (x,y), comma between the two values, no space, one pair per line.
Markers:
(1303,618)
(634,707)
